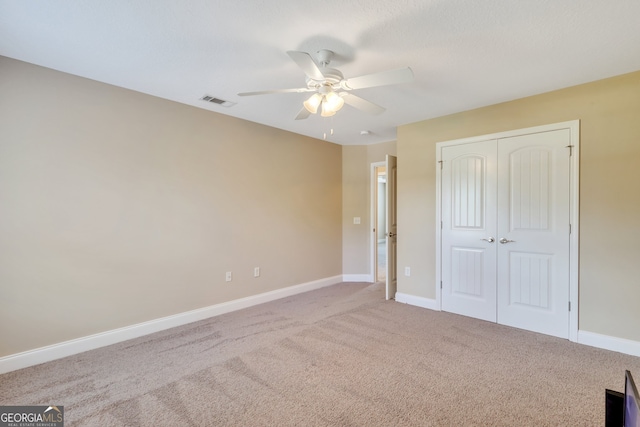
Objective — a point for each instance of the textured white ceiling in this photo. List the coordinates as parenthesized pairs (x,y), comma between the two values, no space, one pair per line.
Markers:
(464,53)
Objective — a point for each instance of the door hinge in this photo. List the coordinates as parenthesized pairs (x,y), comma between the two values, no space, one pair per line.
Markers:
(440,284)
(570,147)
(569,228)
(441,162)
(569,305)
(440,225)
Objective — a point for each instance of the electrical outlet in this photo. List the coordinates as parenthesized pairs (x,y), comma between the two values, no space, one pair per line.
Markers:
(228,276)
(256,272)
(407,271)
(356,220)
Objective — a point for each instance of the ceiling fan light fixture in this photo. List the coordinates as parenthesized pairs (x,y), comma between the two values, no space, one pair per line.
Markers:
(333,101)
(313,103)
(326,111)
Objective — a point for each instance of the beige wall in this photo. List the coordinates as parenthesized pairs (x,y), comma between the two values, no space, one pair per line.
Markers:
(118,208)
(609,113)
(356,202)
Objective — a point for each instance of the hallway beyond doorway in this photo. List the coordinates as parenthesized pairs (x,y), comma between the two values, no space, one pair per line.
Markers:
(382,262)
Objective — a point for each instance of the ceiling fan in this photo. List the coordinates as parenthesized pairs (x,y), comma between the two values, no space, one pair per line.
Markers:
(331,89)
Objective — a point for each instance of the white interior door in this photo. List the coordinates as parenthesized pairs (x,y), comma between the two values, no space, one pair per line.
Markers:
(469,229)
(392,227)
(505,238)
(533,232)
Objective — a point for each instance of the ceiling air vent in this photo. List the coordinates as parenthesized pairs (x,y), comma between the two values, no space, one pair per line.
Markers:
(214,100)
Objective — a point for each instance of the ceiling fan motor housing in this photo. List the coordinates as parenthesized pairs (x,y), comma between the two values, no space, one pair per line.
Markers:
(331,77)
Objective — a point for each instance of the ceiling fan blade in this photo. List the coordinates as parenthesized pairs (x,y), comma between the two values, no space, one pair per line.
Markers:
(391,77)
(267,92)
(361,104)
(303,114)
(307,64)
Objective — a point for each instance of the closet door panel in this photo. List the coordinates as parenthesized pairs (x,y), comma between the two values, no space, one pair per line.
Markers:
(468,230)
(533,232)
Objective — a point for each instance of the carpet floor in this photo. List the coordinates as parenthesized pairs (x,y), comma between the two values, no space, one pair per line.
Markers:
(337,356)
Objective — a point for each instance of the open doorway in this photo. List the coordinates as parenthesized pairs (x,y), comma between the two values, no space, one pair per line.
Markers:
(379,208)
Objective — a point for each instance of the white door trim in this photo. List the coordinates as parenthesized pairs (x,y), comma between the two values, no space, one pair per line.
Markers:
(574,215)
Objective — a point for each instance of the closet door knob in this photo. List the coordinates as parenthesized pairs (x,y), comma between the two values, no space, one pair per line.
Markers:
(490,240)
(503,241)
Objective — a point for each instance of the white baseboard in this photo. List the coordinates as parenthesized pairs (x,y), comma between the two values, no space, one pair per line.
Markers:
(607,342)
(56,351)
(368,278)
(592,339)
(431,304)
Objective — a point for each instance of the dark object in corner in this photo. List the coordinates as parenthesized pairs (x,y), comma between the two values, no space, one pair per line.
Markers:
(614,408)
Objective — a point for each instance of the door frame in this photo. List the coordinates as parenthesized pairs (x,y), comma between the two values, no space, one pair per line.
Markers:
(374,219)
(574,211)
(391,219)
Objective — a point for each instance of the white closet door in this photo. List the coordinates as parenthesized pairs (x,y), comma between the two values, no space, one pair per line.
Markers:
(468,228)
(533,224)
(505,213)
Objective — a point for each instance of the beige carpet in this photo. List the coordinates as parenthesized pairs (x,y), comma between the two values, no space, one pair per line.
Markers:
(339,356)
